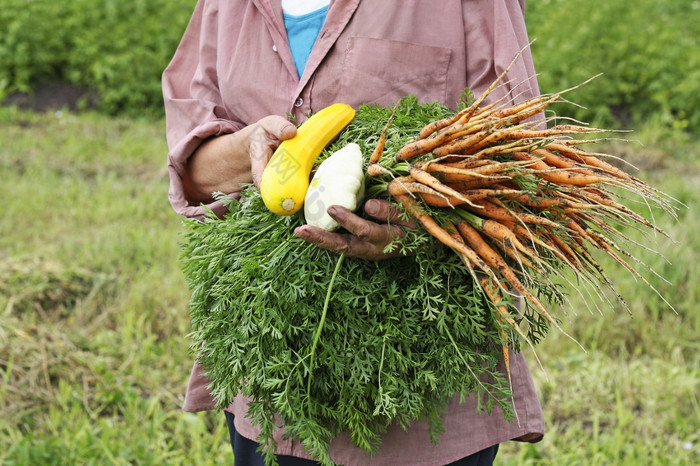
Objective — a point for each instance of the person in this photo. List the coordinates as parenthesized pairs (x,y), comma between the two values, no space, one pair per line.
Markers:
(243,66)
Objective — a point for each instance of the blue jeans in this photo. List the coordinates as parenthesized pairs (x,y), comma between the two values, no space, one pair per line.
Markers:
(245,453)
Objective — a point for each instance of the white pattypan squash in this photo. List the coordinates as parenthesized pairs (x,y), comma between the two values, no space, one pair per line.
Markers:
(339,180)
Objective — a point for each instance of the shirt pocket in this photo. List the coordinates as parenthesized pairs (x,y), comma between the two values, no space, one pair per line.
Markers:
(383,71)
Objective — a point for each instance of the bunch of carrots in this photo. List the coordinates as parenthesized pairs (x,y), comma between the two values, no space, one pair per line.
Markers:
(527,200)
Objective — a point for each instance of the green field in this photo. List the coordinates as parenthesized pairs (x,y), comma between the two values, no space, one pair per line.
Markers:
(93,314)
(94,354)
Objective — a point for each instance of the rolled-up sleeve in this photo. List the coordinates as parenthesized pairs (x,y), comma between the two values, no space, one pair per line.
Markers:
(194,110)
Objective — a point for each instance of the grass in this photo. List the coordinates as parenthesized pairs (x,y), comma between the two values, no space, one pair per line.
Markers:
(93,315)
(93,330)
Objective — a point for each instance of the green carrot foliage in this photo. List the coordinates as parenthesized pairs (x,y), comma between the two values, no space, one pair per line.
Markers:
(401,337)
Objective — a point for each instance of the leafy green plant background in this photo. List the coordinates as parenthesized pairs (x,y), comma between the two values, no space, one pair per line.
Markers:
(93,305)
(116,48)
(647,50)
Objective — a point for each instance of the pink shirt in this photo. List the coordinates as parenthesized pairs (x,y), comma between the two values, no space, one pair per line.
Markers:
(233,67)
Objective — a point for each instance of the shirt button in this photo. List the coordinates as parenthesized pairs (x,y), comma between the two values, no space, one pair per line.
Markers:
(299,102)
(274,48)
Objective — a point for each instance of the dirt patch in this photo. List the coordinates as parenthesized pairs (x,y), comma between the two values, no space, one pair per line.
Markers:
(53,96)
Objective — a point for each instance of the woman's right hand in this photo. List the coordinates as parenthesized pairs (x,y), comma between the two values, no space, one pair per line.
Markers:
(263,139)
(225,162)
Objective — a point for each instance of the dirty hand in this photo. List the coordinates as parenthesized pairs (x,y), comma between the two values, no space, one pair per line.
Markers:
(362,238)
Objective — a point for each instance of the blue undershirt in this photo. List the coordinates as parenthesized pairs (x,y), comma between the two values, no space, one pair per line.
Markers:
(302,32)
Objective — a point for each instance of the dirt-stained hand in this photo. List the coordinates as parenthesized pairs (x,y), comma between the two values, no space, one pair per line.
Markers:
(363,238)
(263,138)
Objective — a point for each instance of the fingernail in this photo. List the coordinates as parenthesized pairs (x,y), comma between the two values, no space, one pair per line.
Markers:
(371,208)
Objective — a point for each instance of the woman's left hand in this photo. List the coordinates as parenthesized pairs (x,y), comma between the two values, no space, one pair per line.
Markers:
(364,238)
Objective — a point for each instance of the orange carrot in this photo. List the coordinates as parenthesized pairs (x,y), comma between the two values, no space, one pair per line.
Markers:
(468,256)
(406,185)
(474,183)
(557,130)
(589,159)
(453,161)
(567,252)
(379,149)
(607,201)
(526,109)
(429,180)
(492,133)
(461,145)
(436,199)
(493,170)
(487,253)
(533,106)
(538,239)
(488,208)
(544,203)
(440,200)
(375,169)
(562,177)
(502,149)
(504,240)
(523,133)
(578,228)
(503,316)
(425,146)
(502,234)
(554,159)
(494,259)
(437,125)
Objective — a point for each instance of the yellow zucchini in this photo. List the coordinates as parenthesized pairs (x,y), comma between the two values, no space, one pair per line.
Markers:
(285,179)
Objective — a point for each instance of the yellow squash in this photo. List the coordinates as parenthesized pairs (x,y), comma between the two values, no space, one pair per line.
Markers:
(285,179)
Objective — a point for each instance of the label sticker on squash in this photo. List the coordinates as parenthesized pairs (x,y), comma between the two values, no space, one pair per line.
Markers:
(284,165)
(314,205)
